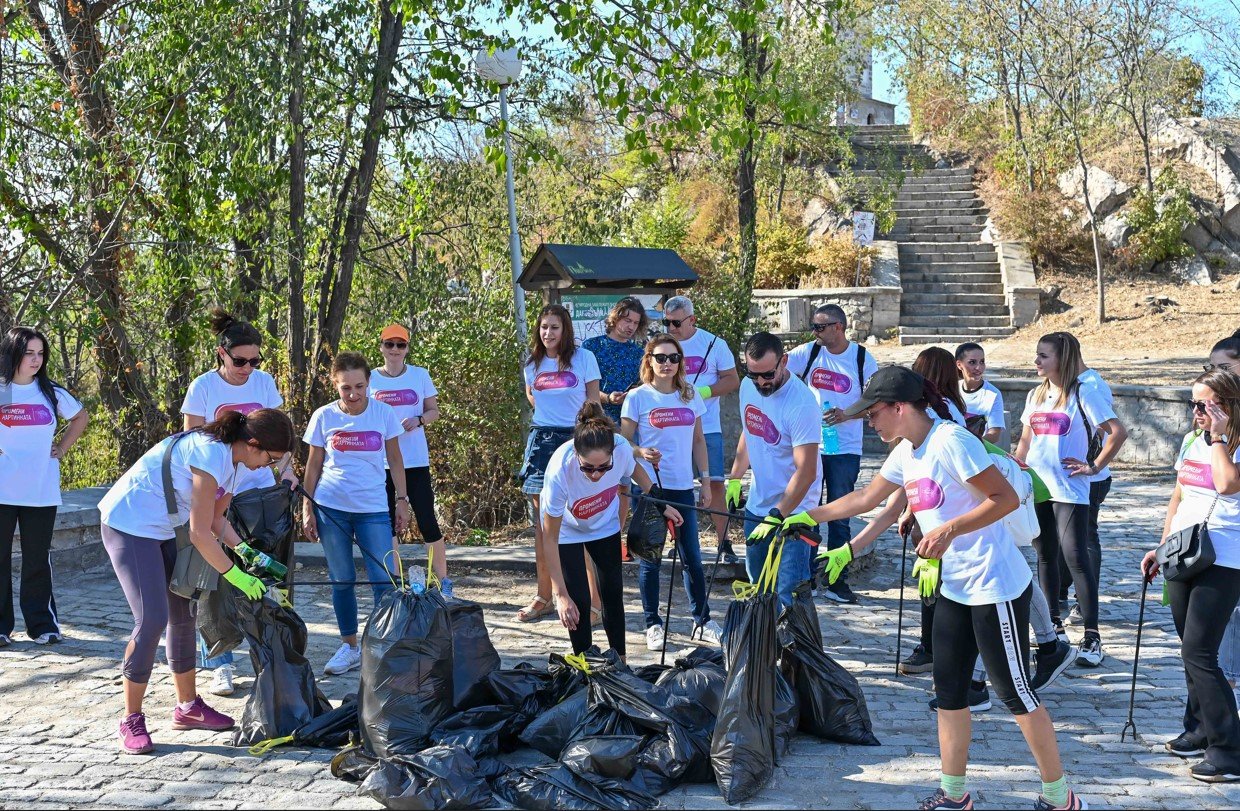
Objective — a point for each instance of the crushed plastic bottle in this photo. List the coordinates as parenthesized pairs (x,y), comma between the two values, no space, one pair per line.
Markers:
(417,579)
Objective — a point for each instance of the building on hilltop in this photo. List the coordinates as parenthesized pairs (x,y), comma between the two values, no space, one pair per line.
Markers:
(863,110)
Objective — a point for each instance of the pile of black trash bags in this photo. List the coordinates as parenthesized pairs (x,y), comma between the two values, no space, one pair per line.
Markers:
(436,710)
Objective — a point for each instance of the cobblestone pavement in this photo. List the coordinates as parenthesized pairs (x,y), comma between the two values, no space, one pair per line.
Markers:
(61,705)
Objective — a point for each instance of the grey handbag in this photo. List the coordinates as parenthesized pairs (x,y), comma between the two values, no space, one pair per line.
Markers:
(1185,554)
(192,576)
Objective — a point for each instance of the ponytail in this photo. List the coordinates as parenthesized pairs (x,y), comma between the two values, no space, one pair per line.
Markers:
(269,427)
(594,430)
(932,398)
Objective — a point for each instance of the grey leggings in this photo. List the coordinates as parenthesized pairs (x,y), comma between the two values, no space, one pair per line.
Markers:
(144,567)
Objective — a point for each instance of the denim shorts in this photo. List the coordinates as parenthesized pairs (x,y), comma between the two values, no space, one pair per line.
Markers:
(542,442)
(714,455)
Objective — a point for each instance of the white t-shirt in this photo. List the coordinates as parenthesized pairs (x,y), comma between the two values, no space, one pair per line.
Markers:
(979,568)
(1091,378)
(834,379)
(354,454)
(773,426)
(136,503)
(210,395)
(1195,474)
(955,413)
(1058,434)
(590,511)
(29,476)
(559,395)
(665,422)
(702,369)
(987,402)
(407,394)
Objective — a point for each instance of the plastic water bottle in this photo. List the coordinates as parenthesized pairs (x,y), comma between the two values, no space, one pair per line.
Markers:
(830,436)
(417,579)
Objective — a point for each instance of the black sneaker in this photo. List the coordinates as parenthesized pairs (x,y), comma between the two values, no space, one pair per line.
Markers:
(1050,667)
(729,557)
(917,662)
(1187,745)
(840,593)
(1207,772)
(1074,616)
(979,700)
(939,801)
(5,641)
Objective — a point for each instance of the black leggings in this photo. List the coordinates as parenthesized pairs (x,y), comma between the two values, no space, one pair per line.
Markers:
(1201,608)
(421,499)
(606,556)
(1064,529)
(38,604)
(1097,494)
(1000,632)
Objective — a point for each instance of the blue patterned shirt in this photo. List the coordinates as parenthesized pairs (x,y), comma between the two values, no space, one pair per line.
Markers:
(618,364)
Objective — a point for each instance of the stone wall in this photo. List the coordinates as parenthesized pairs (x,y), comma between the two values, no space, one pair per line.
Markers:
(1020,283)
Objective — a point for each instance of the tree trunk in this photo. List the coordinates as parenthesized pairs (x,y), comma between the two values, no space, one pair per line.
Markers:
(1093,230)
(297,359)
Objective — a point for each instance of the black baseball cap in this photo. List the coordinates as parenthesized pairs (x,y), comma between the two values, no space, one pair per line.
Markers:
(890,384)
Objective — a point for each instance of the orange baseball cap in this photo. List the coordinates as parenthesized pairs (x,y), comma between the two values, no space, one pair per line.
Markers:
(392,331)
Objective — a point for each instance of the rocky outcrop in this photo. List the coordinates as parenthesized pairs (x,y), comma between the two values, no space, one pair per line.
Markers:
(1213,147)
(1106,192)
(820,220)
(1190,270)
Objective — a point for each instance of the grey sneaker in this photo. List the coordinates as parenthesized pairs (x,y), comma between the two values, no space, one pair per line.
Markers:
(1089,652)
(1074,616)
(50,638)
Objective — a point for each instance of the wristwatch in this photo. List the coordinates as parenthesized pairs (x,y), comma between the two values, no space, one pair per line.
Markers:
(402,498)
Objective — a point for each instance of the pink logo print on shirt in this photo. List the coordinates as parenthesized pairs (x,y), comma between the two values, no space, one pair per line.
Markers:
(220,492)
(398,397)
(555,380)
(1196,474)
(25,415)
(241,408)
(924,494)
(585,508)
(357,441)
(1050,422)
(670,417)
(828,380)
(694,364)
(760,425)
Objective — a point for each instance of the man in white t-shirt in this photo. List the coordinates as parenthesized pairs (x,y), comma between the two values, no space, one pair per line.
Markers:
(836,370)
(711,369)
(780,428)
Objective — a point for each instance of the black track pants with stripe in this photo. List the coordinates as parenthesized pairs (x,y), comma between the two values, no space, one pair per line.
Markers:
(1000,633)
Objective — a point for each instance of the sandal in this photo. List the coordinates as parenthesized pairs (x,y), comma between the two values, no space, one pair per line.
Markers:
(596,617)
(541,607)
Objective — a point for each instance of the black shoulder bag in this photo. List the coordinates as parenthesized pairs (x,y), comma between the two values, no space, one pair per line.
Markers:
(192,576)
(1095,441)
(1189,552)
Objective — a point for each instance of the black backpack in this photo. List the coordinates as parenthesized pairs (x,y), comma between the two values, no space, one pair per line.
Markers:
(813,356)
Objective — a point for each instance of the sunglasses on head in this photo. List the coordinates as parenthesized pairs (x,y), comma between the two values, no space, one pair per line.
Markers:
(395,345)
(762,375)
(674,322)
(596,469)
(1210,367)
(660,357)
(820,327)
(242,362)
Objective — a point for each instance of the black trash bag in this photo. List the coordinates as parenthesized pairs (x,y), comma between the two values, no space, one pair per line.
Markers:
(263,518)
(552,729)
(614,756)
(787,715)
(647,534)
(651,673)
(353,764)
(743,746)
(284,696)
(441,777)
(698,677)
(473,655)
(830,698)
(406,683)
(330,730)
(556,787)
(219,620)
(478,730)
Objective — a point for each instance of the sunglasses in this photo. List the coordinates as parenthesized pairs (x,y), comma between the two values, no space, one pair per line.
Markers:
(1210,367)
(659,357)
(762,375)
(593,469)
(1200,406)
(821,327)
(242,362)
(874,410)
(395,345)
(674,322)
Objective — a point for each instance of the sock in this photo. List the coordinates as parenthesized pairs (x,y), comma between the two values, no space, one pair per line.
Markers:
(185,705)
(1047,649)
(953,787)
(1056,793)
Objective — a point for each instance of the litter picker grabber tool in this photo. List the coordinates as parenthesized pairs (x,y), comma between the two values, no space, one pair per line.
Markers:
(710,584)
(900,620)
(1136,656)
(671,584)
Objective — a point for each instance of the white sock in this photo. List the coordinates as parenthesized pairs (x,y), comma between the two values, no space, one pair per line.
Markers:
(185,705)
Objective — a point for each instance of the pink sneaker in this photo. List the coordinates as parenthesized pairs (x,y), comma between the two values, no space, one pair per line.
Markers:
(200,716)
(134,738)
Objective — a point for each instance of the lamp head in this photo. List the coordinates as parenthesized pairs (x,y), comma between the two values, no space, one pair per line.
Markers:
(502,67)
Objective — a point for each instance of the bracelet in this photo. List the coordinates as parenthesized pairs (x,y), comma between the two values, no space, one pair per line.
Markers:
(403,498)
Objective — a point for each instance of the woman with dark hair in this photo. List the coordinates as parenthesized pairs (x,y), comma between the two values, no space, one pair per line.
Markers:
(350,441)
(619,353)
(30,455)
(938,366)
(235,384)
(140,539)
(1207,491)
(968,555)
(1226,355)
(560,378)
(581,514)
(981,398)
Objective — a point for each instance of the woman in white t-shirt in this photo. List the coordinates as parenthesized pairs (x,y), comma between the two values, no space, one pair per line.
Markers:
(1058,418)
(140,538)
(1207,491)
(938,366)
(581,514)
(350,440)
(30,455)
(559,378)
(409,390)
(981,398)
(664,418)
(236,384)
(958,498)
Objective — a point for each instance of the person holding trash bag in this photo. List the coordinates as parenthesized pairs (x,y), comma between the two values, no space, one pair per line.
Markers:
(959,499)
(141,540)
(236,384)
(581,514)
(1206,501)
(664,418)
(349,441)
(780,431)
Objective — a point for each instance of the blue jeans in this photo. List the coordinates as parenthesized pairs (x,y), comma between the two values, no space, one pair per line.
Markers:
(714,455)
(792,566)
(337,530)
(691,560)
(225,658)
(839,478)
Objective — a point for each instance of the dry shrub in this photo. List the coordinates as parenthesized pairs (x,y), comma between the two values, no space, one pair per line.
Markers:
(834,262)
(1038,220)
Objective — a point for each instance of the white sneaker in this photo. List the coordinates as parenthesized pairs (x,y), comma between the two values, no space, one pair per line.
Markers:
(49,638)
(711,633)
(222,681)
(1090,652)
(654,637)
(342,661)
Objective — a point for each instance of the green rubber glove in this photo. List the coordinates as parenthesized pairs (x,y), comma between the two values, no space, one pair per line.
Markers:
(836,560)
(927,574)
(705,392)
(764,529)
(732,494)
(247,584)
(801,519)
